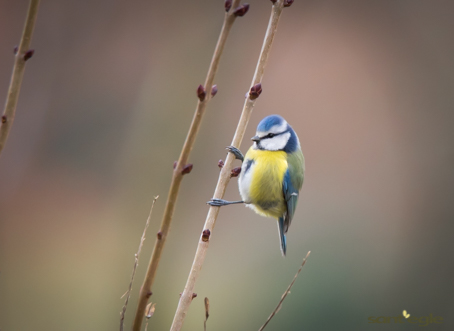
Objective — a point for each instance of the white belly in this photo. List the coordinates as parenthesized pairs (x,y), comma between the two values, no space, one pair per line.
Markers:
(245,180)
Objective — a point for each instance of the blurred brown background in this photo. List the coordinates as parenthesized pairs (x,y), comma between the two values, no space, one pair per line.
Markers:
(103,112)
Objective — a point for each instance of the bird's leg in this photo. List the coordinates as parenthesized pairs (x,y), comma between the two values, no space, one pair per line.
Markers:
(220,202)
(235,151)
(234,173)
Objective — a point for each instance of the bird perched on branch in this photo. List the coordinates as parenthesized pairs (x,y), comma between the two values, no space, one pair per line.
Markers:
(272,174)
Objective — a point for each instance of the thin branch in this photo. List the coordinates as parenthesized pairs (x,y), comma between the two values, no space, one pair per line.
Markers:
(207,313)
(136,264)
(23,53)
(181,167)
(224,176)
(278,307)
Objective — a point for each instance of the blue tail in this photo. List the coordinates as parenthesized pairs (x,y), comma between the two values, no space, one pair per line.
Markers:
(283,239)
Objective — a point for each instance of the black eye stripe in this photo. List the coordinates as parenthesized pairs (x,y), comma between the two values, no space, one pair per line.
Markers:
(269,135)
(272,135)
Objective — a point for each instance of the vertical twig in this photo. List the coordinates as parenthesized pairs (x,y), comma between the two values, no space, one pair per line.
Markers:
(207,313)
(224,176)
(23,53)
(287,291)
(136,264)
(204,94)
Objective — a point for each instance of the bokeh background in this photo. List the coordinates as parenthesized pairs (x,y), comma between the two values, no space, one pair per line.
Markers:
(104,109)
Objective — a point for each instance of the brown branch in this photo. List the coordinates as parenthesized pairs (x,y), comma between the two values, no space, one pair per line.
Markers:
(207,313)
(23,53)
(278,307)
(225,174)
(136,264)
(181,167)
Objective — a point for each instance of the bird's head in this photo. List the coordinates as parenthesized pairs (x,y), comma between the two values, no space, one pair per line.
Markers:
(275,134)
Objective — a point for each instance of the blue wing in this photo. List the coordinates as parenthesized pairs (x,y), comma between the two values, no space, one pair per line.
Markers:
(291,198)
(292,183)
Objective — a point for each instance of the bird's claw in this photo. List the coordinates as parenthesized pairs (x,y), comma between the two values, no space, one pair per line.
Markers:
(235,151)
(216,202)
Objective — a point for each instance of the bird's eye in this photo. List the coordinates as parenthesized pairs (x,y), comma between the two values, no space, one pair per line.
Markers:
(270,135)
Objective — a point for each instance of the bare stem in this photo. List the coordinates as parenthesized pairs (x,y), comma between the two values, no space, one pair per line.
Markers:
(207,313)
(278,307)
(224,176)
(180,166)
(136,264)
(22,55)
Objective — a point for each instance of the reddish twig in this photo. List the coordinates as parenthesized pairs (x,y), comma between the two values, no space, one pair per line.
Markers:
(204,94)
(279,305)
(23,53)
(224,176)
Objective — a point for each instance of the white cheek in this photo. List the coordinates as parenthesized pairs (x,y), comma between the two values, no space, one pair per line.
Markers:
(275,143)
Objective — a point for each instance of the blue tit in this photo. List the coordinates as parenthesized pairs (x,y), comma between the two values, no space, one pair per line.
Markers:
(272,174)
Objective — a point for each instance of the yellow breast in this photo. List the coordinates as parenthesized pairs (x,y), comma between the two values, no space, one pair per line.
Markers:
(266,178)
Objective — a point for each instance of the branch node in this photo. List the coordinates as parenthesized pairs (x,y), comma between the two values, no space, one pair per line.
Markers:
(194,295)
(241,10)
(175,164)
(201,92)
(159,235)
(228,5)
(28,54)
(220,164)
(214,90)
(16,48)
(288,3)
(255,91)
(149,311)
(149,294)
(4,119)
(187,168)
(235,172)
(206,235)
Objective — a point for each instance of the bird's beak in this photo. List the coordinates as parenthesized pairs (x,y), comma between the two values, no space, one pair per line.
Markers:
(256,139)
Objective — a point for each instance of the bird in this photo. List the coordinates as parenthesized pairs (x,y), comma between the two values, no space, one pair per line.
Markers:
(272,174)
